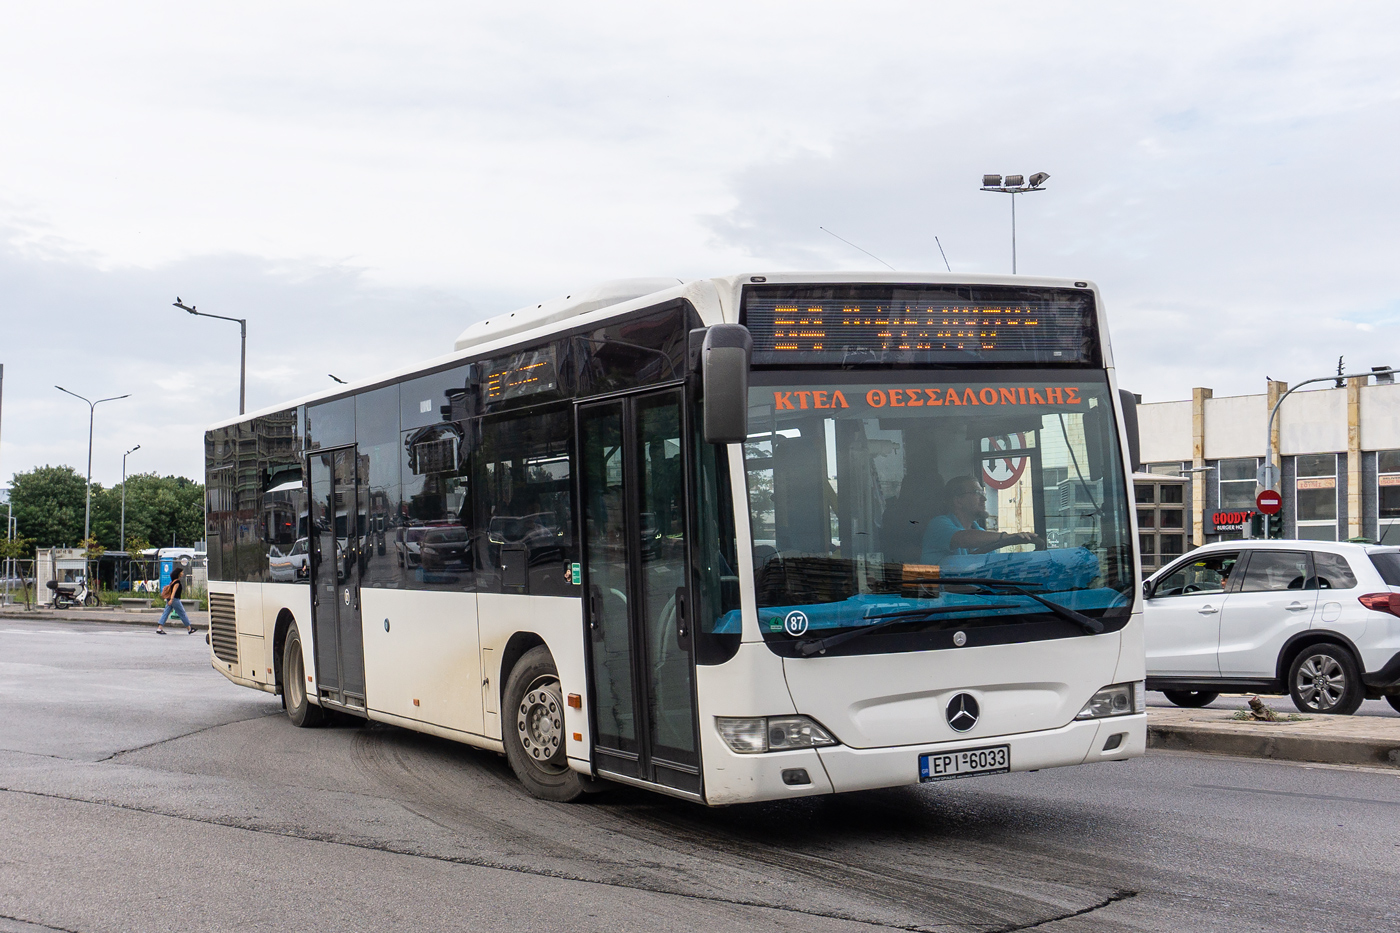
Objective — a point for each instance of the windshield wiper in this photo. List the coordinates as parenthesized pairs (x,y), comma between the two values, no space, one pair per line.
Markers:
(1090,625)
(810,646)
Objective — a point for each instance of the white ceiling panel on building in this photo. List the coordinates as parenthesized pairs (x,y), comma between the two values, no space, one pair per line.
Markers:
(1235,426)
(1380,417)
(1165,431)
(1311,422)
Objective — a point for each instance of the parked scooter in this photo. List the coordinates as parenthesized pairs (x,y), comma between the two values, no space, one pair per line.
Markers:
(76,593)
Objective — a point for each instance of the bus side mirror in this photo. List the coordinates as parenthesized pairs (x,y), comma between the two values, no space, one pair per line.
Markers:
(724,367)
(1130,424)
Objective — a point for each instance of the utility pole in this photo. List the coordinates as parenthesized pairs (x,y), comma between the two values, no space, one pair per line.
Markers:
(121,545)
(243,348)
(92,407)
(1268,476)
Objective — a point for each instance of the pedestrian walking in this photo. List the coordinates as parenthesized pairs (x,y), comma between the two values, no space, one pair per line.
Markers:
(171,595)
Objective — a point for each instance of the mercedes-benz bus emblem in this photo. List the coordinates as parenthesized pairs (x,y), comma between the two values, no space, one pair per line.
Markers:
(962,712)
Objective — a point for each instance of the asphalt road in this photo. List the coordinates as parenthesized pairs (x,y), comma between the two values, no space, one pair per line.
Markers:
(139,790)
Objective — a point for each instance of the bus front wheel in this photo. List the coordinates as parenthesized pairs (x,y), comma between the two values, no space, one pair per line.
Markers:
(532,729)
(300,710)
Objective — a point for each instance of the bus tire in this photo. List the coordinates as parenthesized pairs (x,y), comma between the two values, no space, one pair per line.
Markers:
(300,710)
(532,729)
(1190,699)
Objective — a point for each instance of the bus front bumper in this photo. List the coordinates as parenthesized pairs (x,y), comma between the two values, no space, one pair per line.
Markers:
(1077,743)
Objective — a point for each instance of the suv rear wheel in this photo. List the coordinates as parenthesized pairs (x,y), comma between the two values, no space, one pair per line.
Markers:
(1325,679)
(1190,699)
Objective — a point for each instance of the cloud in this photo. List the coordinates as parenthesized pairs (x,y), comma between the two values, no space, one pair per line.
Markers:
(104,332)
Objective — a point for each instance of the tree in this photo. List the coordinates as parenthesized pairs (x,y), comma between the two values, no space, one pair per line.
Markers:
(159,509)
(19,548)
(48,503)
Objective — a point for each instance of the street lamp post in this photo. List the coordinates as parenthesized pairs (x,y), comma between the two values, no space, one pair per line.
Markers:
(87,512)
(243,349)
(1269,474)
(121,546)
(1014,185)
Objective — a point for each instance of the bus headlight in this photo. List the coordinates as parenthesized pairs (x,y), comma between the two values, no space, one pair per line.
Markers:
(754,735)
(1116,700)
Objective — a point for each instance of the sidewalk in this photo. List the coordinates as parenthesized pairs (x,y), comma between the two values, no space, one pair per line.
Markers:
(108,614)
(1352,740)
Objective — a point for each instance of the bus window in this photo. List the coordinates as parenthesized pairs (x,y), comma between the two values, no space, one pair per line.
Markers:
(523,540)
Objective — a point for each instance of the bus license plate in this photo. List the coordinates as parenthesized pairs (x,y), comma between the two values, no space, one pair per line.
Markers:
(943,766)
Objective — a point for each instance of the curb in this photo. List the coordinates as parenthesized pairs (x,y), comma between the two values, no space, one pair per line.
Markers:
(1250,742)
(137,617)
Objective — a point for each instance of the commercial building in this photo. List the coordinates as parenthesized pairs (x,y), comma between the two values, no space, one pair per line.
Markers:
(1339,449)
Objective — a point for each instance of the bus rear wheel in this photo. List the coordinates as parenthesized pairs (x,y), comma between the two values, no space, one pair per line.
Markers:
(532,729)
(300,710)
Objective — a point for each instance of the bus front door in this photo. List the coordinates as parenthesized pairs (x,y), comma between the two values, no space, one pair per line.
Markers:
(337,539)
(634,481)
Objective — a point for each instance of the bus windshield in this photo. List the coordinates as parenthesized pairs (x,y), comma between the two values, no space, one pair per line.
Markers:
(871,494)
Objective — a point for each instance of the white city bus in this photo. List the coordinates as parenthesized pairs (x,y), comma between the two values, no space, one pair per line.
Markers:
(734,539)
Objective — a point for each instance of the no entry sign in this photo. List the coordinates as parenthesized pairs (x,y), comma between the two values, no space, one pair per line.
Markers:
(1269,502)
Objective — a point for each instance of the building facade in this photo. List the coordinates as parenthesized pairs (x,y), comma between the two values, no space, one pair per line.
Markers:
(1339,449)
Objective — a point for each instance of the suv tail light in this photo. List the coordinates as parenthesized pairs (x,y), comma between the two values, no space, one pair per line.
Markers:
(1382,602)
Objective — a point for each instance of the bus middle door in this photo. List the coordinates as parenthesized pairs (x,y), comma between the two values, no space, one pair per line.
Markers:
(339,515)
(634,481)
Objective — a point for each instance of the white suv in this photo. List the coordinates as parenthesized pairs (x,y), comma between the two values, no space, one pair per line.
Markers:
(1318,620)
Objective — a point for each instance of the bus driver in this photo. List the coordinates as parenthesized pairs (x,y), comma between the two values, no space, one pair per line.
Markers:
(960,530)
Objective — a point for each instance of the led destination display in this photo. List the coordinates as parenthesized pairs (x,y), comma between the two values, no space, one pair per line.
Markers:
(1068,397)
(870,324)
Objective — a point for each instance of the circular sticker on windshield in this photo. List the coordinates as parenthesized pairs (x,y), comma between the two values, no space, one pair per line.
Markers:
(795,623)
(1004,472)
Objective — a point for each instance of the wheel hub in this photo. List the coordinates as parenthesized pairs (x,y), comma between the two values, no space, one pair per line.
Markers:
(540,720)
(1321,682)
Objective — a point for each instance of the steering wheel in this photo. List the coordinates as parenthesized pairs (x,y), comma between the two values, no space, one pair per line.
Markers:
(1190,588)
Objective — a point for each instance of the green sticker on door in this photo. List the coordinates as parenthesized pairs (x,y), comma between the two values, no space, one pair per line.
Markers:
(576,574)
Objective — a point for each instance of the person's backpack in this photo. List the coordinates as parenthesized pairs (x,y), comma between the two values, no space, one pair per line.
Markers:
(168,589)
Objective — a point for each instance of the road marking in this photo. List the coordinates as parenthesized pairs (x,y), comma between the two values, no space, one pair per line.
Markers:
(1288,793)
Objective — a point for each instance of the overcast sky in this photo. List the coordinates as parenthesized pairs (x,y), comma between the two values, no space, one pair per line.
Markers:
(363,181)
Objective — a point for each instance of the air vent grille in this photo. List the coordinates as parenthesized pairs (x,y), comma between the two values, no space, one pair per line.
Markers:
(223,628)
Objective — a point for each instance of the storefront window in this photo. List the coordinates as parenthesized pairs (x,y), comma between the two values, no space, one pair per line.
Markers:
(1237,482)
(1388,496)
(1316,491)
